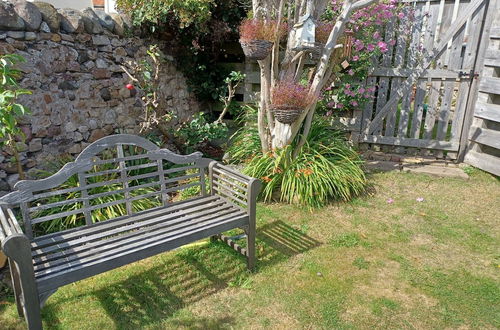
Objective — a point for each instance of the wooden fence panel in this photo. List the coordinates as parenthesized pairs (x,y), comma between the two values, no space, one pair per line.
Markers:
(483,137)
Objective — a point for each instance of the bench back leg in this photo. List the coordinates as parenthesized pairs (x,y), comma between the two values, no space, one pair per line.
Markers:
(18,248)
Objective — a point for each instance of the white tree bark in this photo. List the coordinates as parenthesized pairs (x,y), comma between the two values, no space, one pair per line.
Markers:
(282,135)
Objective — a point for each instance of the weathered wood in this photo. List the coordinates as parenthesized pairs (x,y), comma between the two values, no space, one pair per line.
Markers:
(467,145)
(485,136)
(414,143)
(50,261)
(490,85)
(483,161)
(17,247)
(488,111)
(406,72)
(431,56)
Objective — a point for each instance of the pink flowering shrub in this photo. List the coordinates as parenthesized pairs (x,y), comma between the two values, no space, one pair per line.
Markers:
(289,94)
(350,90)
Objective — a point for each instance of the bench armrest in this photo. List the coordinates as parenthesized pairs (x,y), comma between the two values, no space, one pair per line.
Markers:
(235,186)
(8,224)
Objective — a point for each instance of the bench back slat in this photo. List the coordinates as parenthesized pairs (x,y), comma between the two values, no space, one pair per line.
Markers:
(107,177)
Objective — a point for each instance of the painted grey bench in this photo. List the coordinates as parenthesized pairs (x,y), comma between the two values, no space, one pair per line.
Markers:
(41,263)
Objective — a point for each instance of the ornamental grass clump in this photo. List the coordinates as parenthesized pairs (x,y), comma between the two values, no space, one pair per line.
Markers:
(326,169)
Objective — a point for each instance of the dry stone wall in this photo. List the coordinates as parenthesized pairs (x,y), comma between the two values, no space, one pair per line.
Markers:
(73,69)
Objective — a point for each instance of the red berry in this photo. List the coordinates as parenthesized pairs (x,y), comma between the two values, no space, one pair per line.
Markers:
(129,86)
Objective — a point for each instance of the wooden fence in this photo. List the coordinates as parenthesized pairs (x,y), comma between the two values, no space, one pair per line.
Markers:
(428,82)
(483,136)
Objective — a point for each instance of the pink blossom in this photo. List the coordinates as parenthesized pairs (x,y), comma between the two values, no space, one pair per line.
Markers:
(383,46)
(351,72)
(420,199)
(354,103)
(358,45)
(370,47)
(392,42)
(361,90)
(390,201)
(355,58)
(401,15)
(340,105)
(376,35)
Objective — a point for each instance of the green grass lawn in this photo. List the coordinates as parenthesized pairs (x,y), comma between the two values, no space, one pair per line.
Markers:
(365,264)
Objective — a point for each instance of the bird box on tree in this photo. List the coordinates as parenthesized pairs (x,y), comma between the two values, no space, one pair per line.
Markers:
(305,30)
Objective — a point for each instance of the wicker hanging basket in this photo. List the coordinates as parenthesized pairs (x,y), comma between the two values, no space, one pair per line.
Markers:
(286,114)
(256,49)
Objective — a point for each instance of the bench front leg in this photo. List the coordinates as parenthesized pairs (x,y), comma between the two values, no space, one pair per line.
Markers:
(253,193)
(18,248)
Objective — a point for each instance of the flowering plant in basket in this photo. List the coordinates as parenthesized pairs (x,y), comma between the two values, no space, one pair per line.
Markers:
(289,99)
(256,37)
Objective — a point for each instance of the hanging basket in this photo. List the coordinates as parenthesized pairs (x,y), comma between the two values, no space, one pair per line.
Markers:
(286,114)
(256,49)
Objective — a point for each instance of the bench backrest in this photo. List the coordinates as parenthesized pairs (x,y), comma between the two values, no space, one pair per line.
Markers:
(115,176)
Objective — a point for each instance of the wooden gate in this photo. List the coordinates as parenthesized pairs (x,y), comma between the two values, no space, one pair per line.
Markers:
(425,78)
(482,133)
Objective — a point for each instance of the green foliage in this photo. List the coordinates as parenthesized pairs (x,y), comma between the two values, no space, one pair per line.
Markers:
(326,169)
(10,110)
(155,12)
(195,31)
(98,215)
(245,143)
(199,130)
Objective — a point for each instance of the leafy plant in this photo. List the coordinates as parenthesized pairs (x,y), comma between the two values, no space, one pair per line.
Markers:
(226,94)
(10,110)
(98,215)
(245,143)
(194,32)
(198,131)
(325,169)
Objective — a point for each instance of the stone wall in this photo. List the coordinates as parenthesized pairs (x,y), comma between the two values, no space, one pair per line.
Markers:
(74,70)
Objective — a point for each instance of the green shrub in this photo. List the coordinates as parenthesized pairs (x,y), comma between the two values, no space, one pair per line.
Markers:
(326,169)
(245,143)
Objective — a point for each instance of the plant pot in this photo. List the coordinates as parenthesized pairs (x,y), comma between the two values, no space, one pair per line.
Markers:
(256,49)
(286,114)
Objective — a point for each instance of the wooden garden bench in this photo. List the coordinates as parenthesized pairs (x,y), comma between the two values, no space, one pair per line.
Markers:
(41,263)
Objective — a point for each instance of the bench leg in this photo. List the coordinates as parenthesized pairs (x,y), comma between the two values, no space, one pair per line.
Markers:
(250,249)
(18,248)
(16,284)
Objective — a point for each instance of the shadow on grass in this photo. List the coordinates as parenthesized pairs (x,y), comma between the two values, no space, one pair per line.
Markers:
(154,295)
(278,241)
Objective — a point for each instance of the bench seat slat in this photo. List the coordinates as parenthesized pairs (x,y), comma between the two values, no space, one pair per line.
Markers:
(89,251)
(137,251)
(121,227)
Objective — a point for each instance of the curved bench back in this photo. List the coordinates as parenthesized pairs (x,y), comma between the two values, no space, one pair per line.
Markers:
(115,176)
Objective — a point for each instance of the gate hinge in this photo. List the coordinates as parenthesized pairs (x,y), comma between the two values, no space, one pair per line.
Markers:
(470,75)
